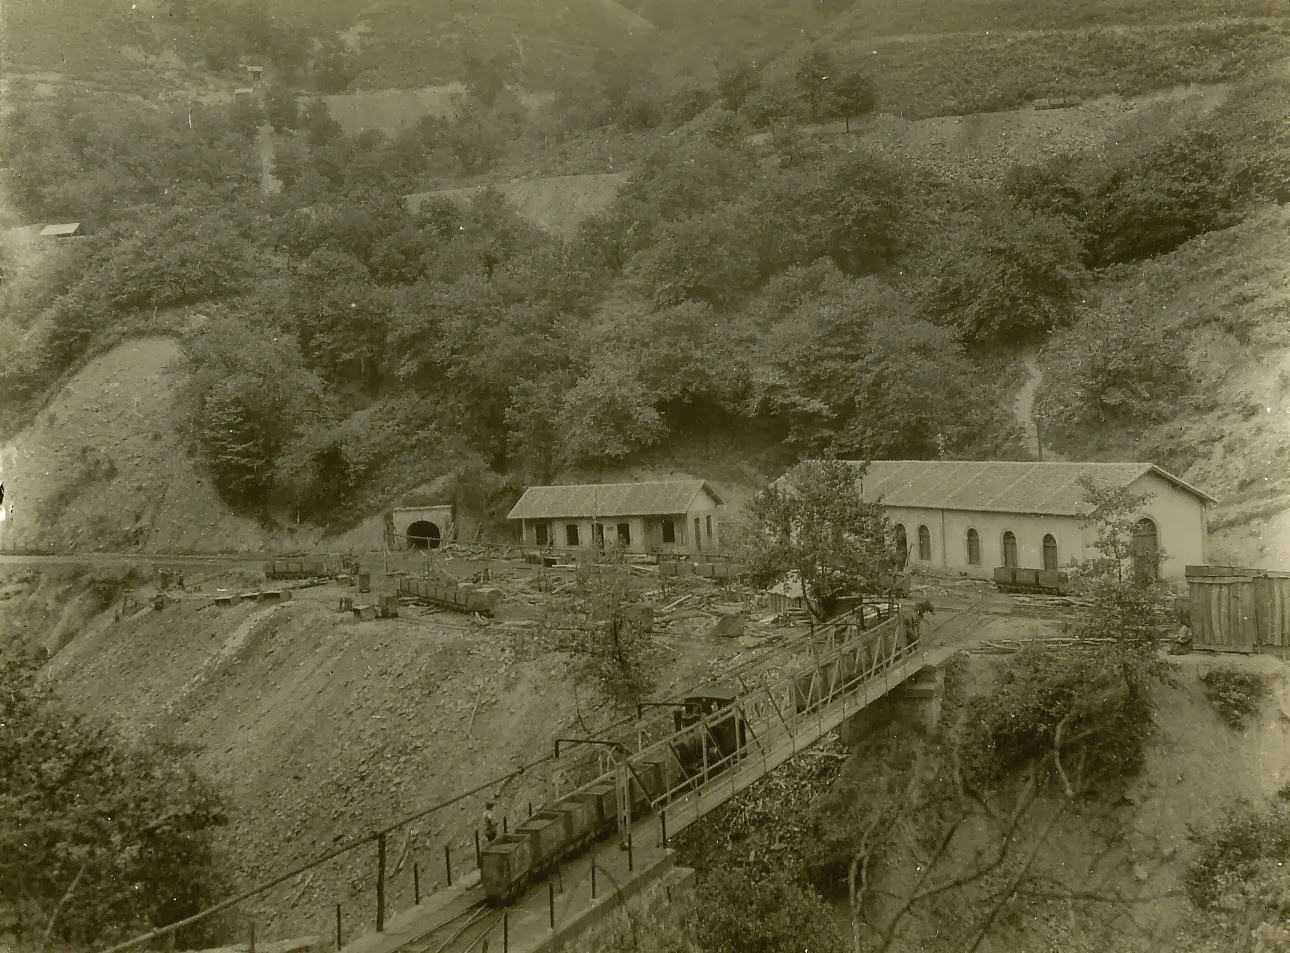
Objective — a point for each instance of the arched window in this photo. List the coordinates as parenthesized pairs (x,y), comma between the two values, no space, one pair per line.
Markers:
(924,544)
(902,545)
(1009,550)
(1146,550)
(1050,552)
(974,548)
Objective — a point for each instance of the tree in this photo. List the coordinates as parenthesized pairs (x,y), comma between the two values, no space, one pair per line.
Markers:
(611,652)
(245,116)
(291,161)
(1238,880)
(609,414)
(486,74)
(1005,274)
(318,125)
(1133,604)
(857,214)
(736,81)
(711,257)
(817,527)
(851,95)
(736,914)
(222,55)
(255,25)
(334,67)
(1129,603)
(1116,364)
(475,138)
(100,839)
(281,108)
(815,77)
(534,443)
(247,399)
(1161,194)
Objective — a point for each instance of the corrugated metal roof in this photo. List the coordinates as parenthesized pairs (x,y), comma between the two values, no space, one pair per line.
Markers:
(663,498)
(1050,489)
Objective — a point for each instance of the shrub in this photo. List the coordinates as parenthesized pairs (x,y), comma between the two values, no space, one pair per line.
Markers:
(1232,851)
(1088,690)
(130,825)
(1236,695)
(738,915)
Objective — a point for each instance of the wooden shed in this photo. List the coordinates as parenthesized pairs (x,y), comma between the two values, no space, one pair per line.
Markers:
(1239,610)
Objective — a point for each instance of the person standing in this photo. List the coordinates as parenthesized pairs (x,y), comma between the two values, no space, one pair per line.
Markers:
(490,823)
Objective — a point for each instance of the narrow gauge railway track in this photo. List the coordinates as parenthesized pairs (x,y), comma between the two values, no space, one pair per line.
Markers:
(469,927)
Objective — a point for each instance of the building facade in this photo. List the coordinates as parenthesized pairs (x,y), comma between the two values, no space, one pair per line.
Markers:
(972,517)
(675,516)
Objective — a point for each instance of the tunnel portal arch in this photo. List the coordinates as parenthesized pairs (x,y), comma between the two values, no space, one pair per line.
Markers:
(424,534)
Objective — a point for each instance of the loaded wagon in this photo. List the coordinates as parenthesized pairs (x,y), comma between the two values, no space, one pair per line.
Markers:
(1053,581)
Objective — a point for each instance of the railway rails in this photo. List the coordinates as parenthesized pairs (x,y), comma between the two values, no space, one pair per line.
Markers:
(465,930)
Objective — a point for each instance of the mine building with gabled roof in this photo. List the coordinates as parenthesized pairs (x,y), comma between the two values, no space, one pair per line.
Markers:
(972,517)
(670,516)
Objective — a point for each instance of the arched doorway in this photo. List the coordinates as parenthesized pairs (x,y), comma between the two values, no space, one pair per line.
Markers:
(1010,550)
(423,535)
(1050,552)
(902,545)
(1146,550)
(924,544)
(974,547)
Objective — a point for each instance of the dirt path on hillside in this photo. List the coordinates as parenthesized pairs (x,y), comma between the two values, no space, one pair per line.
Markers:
(1118,29)
(264,148)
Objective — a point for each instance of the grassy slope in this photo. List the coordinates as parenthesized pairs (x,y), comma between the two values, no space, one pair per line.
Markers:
(1227,294)
(102,467)
(558,204)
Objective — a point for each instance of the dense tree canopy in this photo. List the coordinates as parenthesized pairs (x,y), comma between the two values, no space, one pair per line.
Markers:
(100,839)
(817,294)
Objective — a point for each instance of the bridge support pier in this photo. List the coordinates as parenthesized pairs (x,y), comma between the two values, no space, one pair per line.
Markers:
(916,703)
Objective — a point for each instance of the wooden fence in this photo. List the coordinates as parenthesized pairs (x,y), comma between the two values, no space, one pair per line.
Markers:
(1239,610)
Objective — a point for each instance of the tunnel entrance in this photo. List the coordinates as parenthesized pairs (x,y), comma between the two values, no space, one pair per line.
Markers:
(423,535)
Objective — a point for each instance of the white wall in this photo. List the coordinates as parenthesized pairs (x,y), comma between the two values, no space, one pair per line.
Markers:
(1179,519)
(704,508)
(1180,524)
(646,532)
(949,529)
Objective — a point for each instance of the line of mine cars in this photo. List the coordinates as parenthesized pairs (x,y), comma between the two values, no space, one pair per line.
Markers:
(443,589)
(575,822)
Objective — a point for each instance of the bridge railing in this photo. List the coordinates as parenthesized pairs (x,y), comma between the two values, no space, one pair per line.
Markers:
(789,710)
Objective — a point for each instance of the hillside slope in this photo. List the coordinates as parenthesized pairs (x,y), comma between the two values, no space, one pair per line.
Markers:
(1227,294)
(319,728)
(102,467)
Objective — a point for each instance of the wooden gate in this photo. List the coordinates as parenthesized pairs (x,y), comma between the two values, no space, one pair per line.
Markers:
(1239,610)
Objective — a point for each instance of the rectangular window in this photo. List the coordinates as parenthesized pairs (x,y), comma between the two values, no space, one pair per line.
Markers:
(624,534)
(541,534)
(571,534)
(669,531)
(709,526)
